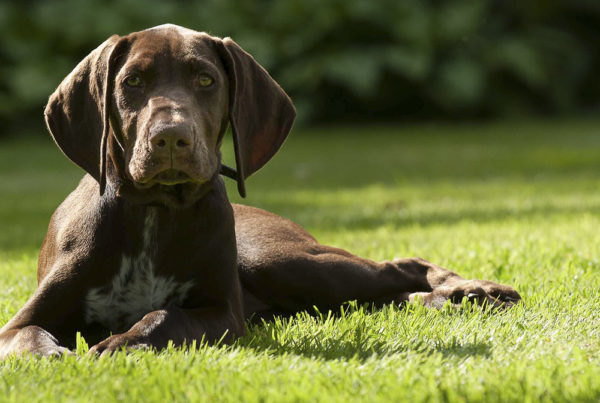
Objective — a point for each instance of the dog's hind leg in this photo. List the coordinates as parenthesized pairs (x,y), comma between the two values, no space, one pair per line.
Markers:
(283,269)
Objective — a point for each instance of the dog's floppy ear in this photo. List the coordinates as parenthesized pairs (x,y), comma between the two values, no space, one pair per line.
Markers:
(261,113)
(77,113)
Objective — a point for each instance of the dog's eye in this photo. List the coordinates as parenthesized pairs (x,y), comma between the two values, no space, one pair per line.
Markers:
(204,80)
(134,81)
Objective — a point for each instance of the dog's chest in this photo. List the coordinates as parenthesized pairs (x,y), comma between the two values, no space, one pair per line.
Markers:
(135,290)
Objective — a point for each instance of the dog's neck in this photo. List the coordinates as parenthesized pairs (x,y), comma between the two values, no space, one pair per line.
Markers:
(136,208)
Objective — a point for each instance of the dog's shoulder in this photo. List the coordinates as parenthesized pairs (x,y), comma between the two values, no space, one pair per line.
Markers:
(74,226)
(80,208)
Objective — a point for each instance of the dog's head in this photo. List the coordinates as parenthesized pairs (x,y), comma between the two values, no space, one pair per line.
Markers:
(147,112)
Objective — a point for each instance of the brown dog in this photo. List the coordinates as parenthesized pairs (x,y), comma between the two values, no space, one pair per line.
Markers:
(148,247)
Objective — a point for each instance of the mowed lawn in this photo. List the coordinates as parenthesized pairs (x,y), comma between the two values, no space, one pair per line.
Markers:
(517,203)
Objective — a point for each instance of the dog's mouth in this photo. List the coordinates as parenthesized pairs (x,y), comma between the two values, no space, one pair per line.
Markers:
(172,187)
(170,177)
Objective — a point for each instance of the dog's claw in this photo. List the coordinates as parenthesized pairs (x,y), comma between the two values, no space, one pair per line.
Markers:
(119,342)
(480,292)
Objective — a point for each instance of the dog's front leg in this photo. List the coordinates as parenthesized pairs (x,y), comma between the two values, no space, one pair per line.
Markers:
(178,325)
(49,318)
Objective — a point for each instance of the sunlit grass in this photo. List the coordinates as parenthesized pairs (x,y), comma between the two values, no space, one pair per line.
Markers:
(516,203)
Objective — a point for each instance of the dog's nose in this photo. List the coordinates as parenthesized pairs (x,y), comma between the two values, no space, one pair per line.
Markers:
(171,138)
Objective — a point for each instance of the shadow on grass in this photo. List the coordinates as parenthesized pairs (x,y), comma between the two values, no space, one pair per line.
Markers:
(335,348)
(353,334)
(468,349)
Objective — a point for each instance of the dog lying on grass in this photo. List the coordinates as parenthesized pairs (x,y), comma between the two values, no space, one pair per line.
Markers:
(148,249)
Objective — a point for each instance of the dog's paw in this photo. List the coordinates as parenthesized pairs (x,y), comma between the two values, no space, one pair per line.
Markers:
(31,340)
(481,292)
(54,351)
(119,342)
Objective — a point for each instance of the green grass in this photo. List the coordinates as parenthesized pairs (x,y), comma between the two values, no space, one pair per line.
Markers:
(517,203)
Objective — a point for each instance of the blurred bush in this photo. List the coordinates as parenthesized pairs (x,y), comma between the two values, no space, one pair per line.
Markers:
(340,60)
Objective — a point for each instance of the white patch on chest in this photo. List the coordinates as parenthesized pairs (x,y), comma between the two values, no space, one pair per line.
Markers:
(135,290)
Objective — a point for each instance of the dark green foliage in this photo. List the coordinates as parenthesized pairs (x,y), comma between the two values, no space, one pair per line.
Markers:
(339,59)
